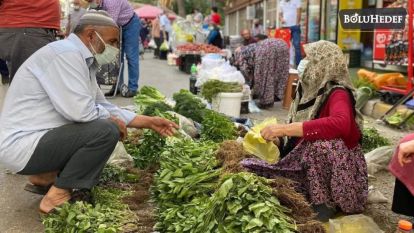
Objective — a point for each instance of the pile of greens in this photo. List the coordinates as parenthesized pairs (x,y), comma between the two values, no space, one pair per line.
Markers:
(147,153)
(188,174)
(189,105)
(187,169)
(244,203)
(211,88)
(217,128)
(113,173)
(108,215)
(160,106)
(371,139)
(146,96)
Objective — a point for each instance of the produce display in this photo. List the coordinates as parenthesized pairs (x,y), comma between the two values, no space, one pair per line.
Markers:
(211,88)
(379,80)
(217,128)
(189,105)
(195,186)
(198,48)
(371,139)
(146,96)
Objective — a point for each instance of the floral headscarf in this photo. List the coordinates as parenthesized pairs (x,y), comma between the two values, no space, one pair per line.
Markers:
(326,70)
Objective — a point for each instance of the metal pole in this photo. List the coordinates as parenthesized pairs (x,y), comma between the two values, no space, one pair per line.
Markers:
(410,45)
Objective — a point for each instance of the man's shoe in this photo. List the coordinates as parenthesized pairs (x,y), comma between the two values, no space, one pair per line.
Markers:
(5,79)
(112,92)
(129,94)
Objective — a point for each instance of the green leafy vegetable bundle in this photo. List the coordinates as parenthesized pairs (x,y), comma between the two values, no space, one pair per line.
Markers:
(211,88)
(371,140)
(217,128)
(146,96)
(187,169)
(147,153)
(183,218)
(189,105)
(244,203)
(160,106)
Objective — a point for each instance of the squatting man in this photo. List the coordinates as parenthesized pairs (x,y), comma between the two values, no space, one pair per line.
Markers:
(55,125)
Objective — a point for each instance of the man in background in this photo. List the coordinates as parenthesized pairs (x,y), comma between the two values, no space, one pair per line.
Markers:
(74,16)
(165,24)
(25,27)
(123,14)
(247,37)
(290,14)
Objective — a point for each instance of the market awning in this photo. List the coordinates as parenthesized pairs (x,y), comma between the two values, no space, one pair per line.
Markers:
(151,12)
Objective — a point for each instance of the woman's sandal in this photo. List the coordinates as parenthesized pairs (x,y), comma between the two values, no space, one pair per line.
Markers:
(37,189)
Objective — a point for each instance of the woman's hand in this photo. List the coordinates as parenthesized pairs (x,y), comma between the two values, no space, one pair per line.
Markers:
(406,153)
(163,126)
(272,132)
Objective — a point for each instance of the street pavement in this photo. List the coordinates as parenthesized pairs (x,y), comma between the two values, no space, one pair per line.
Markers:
(18,208)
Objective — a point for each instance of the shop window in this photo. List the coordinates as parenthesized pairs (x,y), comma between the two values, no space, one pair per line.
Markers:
(271,13)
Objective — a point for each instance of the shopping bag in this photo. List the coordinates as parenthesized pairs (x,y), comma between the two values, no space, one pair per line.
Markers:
(255,144)
(164,46)
(152,44)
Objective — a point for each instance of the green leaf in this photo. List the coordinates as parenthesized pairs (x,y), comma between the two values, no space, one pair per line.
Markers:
(225,188)
(255,222)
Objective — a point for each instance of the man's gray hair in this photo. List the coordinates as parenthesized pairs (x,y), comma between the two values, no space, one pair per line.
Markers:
(94,18)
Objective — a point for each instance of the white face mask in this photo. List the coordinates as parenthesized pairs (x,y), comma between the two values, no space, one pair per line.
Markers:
(109,55)
(93,5)
(302,66)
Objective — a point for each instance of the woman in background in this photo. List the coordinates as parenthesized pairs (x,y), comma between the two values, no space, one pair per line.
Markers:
(156,34)
(265,66)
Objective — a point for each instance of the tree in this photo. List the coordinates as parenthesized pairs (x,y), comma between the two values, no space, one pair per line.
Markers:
(181,8)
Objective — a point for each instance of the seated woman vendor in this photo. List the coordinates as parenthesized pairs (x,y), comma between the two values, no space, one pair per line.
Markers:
(321,149)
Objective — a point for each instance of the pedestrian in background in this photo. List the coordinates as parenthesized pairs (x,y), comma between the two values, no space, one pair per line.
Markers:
(197,16)
(25,27)
(215,16)
(214,37)
(165,25)
(247,37)
(156,35)
(123,14)
(290,14)
(257,28)
(265,66)
(74,16)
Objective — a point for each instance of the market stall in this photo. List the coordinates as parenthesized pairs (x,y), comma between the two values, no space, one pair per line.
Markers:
(395,47)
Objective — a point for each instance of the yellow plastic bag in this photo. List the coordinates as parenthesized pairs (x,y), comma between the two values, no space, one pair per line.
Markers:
(255,144)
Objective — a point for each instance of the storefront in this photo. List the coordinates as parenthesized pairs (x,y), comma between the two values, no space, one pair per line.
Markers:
(319,17)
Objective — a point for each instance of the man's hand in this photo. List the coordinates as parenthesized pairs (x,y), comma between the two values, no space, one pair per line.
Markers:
(406,153)
(121,126)
(162,126)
